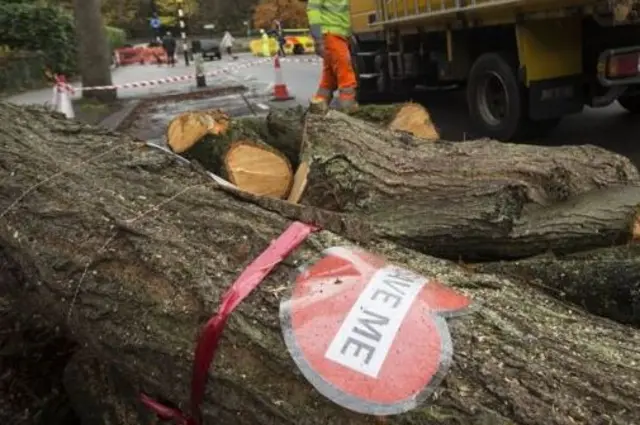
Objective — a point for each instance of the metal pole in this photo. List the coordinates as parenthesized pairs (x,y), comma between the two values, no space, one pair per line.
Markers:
(154,15)
(183,32)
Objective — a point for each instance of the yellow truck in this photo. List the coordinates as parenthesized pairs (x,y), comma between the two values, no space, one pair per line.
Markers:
(525,63)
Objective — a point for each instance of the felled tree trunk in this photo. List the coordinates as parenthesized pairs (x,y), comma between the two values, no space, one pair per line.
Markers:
(605,282)
(409,117)
(187,129)
(130,250)
(285,125)
(231,150)
(480,199)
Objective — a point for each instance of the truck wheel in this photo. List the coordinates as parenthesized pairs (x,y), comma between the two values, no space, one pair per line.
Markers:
(495,97)
(630,103)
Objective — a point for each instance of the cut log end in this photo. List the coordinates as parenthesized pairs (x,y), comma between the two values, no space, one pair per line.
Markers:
(187,129)
(415,119)
(258,171)
(635,231)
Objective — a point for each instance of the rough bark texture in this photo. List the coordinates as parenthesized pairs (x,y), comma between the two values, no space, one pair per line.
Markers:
(284,132)
(130,250)
(605,282)
(93,49)
(283,128)
(478,199)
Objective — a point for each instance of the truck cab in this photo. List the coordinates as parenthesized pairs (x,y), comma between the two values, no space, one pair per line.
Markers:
(524,63)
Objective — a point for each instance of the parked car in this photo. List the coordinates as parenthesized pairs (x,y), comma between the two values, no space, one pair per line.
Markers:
(210,48)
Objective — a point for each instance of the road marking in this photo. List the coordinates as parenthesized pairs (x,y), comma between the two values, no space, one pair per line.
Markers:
(262,106)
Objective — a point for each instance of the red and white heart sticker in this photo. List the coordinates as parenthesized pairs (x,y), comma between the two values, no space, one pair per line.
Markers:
(369,335)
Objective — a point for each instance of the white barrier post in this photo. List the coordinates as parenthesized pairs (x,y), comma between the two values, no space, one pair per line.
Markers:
(61,99)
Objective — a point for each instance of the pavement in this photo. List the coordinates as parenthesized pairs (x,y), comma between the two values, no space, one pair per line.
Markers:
(609,127)
(301,78)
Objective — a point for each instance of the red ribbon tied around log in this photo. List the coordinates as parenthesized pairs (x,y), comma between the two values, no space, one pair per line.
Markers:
(249,279)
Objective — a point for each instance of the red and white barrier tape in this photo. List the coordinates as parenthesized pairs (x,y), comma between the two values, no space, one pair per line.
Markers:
(209,339)
(61,82)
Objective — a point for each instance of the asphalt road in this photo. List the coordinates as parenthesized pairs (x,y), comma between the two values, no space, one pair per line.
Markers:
(610,127)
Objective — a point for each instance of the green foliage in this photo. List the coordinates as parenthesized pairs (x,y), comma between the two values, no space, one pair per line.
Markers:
(37,27)
(116,36)
(34,25)
(21,71)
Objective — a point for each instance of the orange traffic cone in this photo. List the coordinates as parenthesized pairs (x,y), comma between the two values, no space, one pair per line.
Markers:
(280,90)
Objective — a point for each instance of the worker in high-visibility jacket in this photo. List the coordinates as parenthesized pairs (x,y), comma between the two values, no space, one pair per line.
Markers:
(330,26)
(266,47)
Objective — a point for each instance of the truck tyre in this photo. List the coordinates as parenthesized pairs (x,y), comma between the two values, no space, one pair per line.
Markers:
(630,103)
(495,97)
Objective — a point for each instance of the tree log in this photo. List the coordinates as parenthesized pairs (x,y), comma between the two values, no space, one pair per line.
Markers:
(479,199)
(129,251)
(605,282)
(284,132)
(409,117)
(186,130)
(284,126)
(234,151)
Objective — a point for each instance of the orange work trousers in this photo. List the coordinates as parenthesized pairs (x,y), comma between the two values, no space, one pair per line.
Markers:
(337,71)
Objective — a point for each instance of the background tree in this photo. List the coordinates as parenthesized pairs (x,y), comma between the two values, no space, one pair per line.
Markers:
(93,49)
(291,13)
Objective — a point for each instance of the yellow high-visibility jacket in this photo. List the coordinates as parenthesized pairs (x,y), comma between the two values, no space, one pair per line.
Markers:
(331,15)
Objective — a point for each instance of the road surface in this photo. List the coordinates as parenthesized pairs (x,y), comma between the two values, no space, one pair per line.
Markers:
(609,127)
(301,78)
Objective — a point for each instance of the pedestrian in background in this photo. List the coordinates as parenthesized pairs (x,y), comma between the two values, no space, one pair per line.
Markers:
(169,46)
(266,48)
(227,44)
(276,28)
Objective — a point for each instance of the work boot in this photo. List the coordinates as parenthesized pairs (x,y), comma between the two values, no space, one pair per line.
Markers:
(319,105)
(348,106)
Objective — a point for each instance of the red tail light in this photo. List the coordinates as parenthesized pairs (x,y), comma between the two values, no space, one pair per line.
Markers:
(624,65)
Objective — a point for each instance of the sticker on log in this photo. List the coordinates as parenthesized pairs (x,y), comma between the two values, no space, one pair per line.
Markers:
(351,326)
(235,152)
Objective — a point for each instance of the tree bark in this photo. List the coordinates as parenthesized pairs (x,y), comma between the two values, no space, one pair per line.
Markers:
(479,199)
(605,282)
(284,126)
(130,250)
(93,49)
(284,132)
